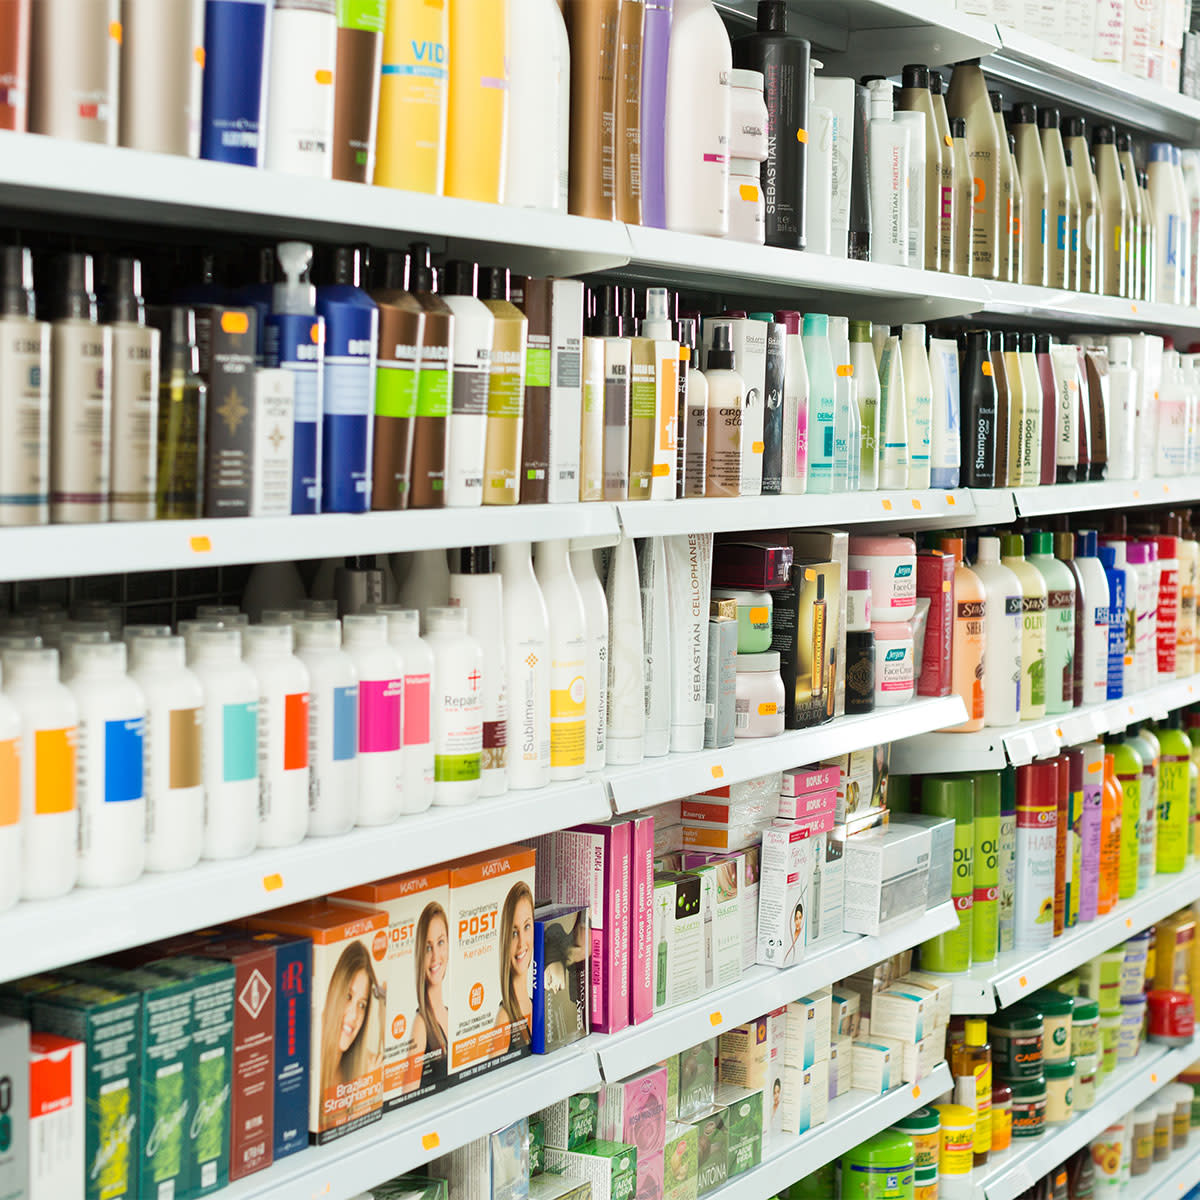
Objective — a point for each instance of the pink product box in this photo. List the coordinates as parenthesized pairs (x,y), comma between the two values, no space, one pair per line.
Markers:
(698,809)
(633,1111)
(641,922)
(801,780)
(811,804)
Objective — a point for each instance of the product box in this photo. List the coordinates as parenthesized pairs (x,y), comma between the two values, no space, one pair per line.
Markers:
(819,1111)
(641,918)
(680,1167)
(561,987)
(752,1056)
(409,1187)
(549,1186)
(346,1062)
(228,338)
(844,1013)
(720,912)
(17,995)
(723,838)
(935,582)
(670,812)
(872,1067)
(712,1148)
(679,967)
(917,1059)
(829,887)
(273,424)
(56,1118)
(633,1111)
(568,1124)
(696,1077)
(416,972)
(801,781)
(787,859)
(807,1029)
(818,807)
(939,990)
(108,1021)
(744,1126)
(797,1099)
(887,877)
(720,695)
(705,810)
(836,1083)
(736,873)
(610,1167)
(489,1168)
(862,787)
(592,864)
(941,853)
(668,839)
(760,566)
(15,1113)
(901,1014)
(537,1146)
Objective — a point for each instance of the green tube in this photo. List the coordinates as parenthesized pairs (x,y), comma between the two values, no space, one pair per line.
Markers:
(953,796)
(1008,858)
(986,918)
(1128,764)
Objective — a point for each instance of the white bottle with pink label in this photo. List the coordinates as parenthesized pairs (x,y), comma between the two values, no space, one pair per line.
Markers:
(404,626)
(380,715)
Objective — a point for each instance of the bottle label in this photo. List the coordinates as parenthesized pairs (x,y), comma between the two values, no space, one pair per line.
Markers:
(10,782)
(379,704)
(567,703)
(416,710)
(123,765)
(185,747)
(433,392)
(54,771)
(295,731)
(240,750)
(395,391)
(345,723)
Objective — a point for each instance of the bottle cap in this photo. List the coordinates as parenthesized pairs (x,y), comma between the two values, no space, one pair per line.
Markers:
(1012,143)
(1068,157)
(915,75)
(604,319)
(1143,179)
(268,639)
(1012,545)
(720,355)
(685,334)
(418,268)
(367,629)
(1074,127)
(958,127)
(816,325)
(16,282)
(1041,343)
(976,1030)
(295,294)
(317,633)
(1124,142)
(1167,546)
(743,78)
(1107,556)
(75,294)
(772,16)
(997,102)
(1158,152)
(493,283)
(1040,542)
(935,82)
(658,301)
(347,266)
(1137,553)
(458,278)
(400,620)
(446,620)
(860,331)
(473,560)
(1064,546)
(1023,114)
(1048,118)
(1103,135)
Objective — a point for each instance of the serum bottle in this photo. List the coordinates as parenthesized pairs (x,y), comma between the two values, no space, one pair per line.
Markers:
(726,403)
(182,404)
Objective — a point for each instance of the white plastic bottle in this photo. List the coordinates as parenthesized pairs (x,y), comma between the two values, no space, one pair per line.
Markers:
(945,445)
(1164,198)
(472,350)
(1002,651)
(918,396)
(595,611)
(822,404)
(914,122)
(10,804)
(1093,586)
(380,705)
(625,742)
(1121,563)
(416,735)
(795,408)
(1122,409)
(230,741)
(1171,445)
(866,387)
(299,133)
(174,751)
(893,418)
(698,119)
(568,658)
(889,154)
(424,581)
(847,429)
(333,788)
(49,816)
(457,710)
(475,587)
(1033,626)
(109,764)
(283,702)
(527,646)
(1143,558)
(1184,207)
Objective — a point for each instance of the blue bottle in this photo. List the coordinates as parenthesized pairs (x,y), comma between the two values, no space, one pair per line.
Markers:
(1116,621)
(235,42)
(295,342)
(351,336)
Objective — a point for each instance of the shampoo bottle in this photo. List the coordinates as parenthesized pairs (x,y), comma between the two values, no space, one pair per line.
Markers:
(889,149)
(968,677)
(918,387)
(1018,199)
(847,437)
(726,404)
(822,401)
(162,73)
(795,406)
(300,93)
(416,738)
(656,627)
(948,193)
(978,412)
(945,429)
(1074,222)
(1033,627)
(1091,256)
(866,380)
(964,191)
(457,709)
(527,659)
(356,85)
(1005,250)
(1113,216)
(74,70)
(1060,623)
(918,168)
(506,390)
(380,714)
(430,450)
(595,611)
(234,95)
(1060,268)
(1030,436)
(627,132)
(1167,219)
(625,741)
(1091,615)
(893,417)
(1134,241)
(568,659)
(478,101)
(1004,629)
(656,46)
(914,96)
(968,98)
(592,32)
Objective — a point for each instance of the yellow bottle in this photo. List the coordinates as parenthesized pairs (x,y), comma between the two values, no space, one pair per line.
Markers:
(478,100)
(413,96)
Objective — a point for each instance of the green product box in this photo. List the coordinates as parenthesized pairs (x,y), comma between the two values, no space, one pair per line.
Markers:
(610,1167)
(672,1065)
(568,1124)
(680,1167)
(212,1042)
(410,1187)
(697,1078)
(17,995)
(559,1187)
(537,1145)
(744,1109)
(712,1148)
(108,1021)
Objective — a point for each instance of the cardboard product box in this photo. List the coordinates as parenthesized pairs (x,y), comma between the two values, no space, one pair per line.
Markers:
(861,786)
(610,1167)
(873,1066)
(737,873)
(720,694)
(678,939)
(15,1114)
(724,839)
(633,1111)
(744,1124)
(811,780)
(669,812)
(801,628)
(409,1187)
(697,1078)
(829,887)
(940,990)
(823,546)
(56,1118)
(916,1059)
(752,1057)
(901,1014)
(758,565)
(812,807)
(720,910)
(592,864)
(807,1030)
(935,582)
(549,1186)
(941,853)
(569,1123)
(561,987)
(415,1044)
(274,425)
(797,1101)
(108,1021)
(17,995)
(510,1161)
(705,810)
(844,1012)
(887,878)
(786,863)
(345,1066)
(680,1167)
(229,337)
(668,839)
(537,1146)
(641,918)
(835,1071)
(712,1148)
(820,1092)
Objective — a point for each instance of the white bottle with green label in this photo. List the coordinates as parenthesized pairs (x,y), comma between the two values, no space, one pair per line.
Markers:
(457,708)
(1060,623)
(1033,626)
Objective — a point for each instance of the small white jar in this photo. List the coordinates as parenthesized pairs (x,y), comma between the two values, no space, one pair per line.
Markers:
(892,562)
(759,696)
(894,663)
(747,207)
(748,115)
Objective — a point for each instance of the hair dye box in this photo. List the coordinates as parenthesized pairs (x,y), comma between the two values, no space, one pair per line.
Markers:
(787,860)
(349,1013)
(108,1021)
(641,918)
(15,1110)
(634,1111)
(56,1118)
(712,1148)
(804,781)
(409,1187)
(416,974)
(561,988)
(680,1168)
(678,939)
(569,1123)
(592,864)
(491,966)
(610,1167)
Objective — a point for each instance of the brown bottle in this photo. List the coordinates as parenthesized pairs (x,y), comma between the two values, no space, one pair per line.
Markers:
(433,385)
(1000,378)
(14,64)
(627,139)
(592,31)
(356,89)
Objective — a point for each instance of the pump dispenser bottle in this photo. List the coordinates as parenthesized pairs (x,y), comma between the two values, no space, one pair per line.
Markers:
(80,399)
(1003,630)
(506,389)
(726,408)
(692,416)
(25,346)
(356,87)
(74,70)
(478,101)
(162,71)
(527,662)
(968,98)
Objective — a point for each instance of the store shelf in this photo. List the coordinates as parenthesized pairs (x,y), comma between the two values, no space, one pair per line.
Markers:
(1009,1174)
(990,749)
(403,1140)
(852,1119)
(39,935)
(1107,495)
(760,990)
(988,986)
(1167,1180)
(658,779)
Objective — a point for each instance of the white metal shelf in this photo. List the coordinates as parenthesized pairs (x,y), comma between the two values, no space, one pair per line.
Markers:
(403,1140)
(760,990)
(656,780)
(1105,495)
(1010,1173)
(39,935)
(1165,1180)
(851,1119)
(1011,976)
(993,748)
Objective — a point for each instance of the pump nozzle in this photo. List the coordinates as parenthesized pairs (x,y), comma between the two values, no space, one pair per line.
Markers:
(418,272)
(295,294)
(16,282)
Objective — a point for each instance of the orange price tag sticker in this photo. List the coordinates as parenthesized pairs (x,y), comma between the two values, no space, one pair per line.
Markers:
(1059,732)
(1024,981)
(430,1141)
(916,504)
(272,883)
(1128,922)
(951,501)
(718,772)
(200,544)
(714,1019)
(917,1092)
(802,136)
(887,505)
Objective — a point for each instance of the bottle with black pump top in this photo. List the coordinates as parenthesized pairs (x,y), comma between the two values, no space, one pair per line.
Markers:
(258,296)
(978,411)
(693,412)
(858,241)
(433,387)
(506,390)
(25,386)
(182,411)
(607,325)
(783,59)
(80,399)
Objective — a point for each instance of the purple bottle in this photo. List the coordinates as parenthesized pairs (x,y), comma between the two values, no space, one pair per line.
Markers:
(656,43)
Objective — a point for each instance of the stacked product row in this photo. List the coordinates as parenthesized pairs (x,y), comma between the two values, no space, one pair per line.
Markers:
(1152,1133)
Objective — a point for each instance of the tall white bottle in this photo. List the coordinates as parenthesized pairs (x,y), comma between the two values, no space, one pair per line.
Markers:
(1002,649)
(846,426)
(299,133)
(795,408)
(458,707)
(625,742)
(1122,409)
(568,658)
(1093,586)
(332,727)
(893,418)
(656,636)
(698,120)
(283,700)
(1168,218)
(822,402)
(918,391)
(889,155)
(914,122)
(945,443)
(595,611)
(866,387)
(10,804)
(527,646)
(380,707)
(174,751)
(416,735)
(474,586)
(230,741)
(689,570)
(466,434)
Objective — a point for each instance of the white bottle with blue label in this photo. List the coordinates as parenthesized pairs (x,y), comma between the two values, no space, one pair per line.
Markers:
(295,337)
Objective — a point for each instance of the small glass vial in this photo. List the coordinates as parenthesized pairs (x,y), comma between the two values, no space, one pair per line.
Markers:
(759,696)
